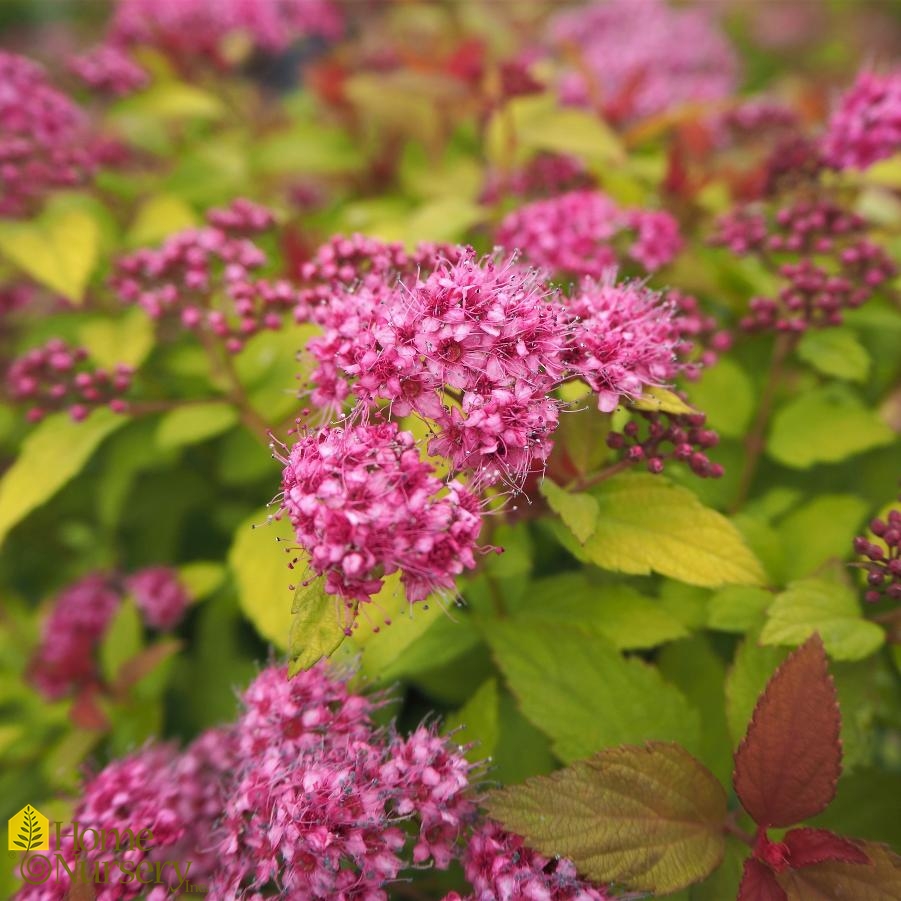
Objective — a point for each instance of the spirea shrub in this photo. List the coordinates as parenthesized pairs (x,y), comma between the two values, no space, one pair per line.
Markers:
(503,401)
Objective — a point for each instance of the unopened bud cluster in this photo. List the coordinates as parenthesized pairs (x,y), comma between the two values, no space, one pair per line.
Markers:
(882,557)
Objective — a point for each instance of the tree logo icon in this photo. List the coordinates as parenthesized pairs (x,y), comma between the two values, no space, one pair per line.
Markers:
(29,830)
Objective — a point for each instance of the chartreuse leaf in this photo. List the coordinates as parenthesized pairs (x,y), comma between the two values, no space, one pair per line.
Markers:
(316,624)
(626,618)
(836,352)
(158,217)
(582,437)
(193,423)
(51,455)
(821,530)
(578,511)
(829,608)
(880,880)
(788,763)
(477,723)
(648,817)
(201,578)
(738,608)
(579,690)
(725,393)
(751,669)
(260,567)
(661,400)
(172,100)
(646,524)
(122,641)
(825,425)
(58,249)
(127,339)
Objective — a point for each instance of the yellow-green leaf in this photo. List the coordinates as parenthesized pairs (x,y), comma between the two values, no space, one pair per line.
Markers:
(260,567)
(59,249)
(193,423)
(173,100)
(835,351)
(830,608)
(158,217)
(125,340)
(123,640)
(51,455)
(648,817)
(646,524)
(662,399)
(201,578)
(578,511)
(476,724)
(316,624)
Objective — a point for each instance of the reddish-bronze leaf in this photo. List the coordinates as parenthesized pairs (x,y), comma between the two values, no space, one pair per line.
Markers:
(879,880)
(789,761)
(759,884)
(810,846)
(86,712)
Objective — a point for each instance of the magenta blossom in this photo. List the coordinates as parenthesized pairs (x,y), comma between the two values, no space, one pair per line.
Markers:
(159,595)
(364,505)
(866,125)
(109,70)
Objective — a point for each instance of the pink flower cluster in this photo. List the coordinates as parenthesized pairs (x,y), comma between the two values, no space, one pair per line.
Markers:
(866,125)
(42,137)
(65,660)
(501,868)
(883,559)
(626,338)
(175,795)
(108,69)
(364,505)
(187,29)
(319,796)
(639,58)
(198,270)
(818,250)
(56,376)
(545,175)
(668,436)
(584,234)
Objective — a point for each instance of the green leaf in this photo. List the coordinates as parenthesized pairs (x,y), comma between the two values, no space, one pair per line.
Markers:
(662,400)
(308,147)
(825,425)
(442,219)
(626,618)
(581,692)
(582,435)
(476,723)
(648,817)
(746,680)
(738,608)
(201,578)
(725,393)
(158,217)
(260,567)
(647,524)
(578,511)
(123,640)
(194,423)
(127,339)
(53,454)
(832,609)
(836,352)
(59,249)
(820,531)
(172,100)
(316,624)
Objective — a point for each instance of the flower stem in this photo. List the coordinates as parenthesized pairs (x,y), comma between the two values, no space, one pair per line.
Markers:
(589,481)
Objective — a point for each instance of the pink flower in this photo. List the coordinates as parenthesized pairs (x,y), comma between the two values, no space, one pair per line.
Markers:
(866,125)
(585,234)
(109,70)
(43,137)
(65,661)
(197,28)
(644,57)
(159,595)
(625,338)
(57,376)
(882,557)
(500,867)
(364,505)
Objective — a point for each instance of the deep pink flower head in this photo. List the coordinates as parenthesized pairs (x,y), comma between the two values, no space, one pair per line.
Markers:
(109,70)
(881,557)
(56,376)
(159,595)
(584,234)
(65,659)
(500,867)
(625,338)
(187,29)
(363,504)
(206,278)
(177,796)
(866,125)
(645,57)
(42,137)
(320,795)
